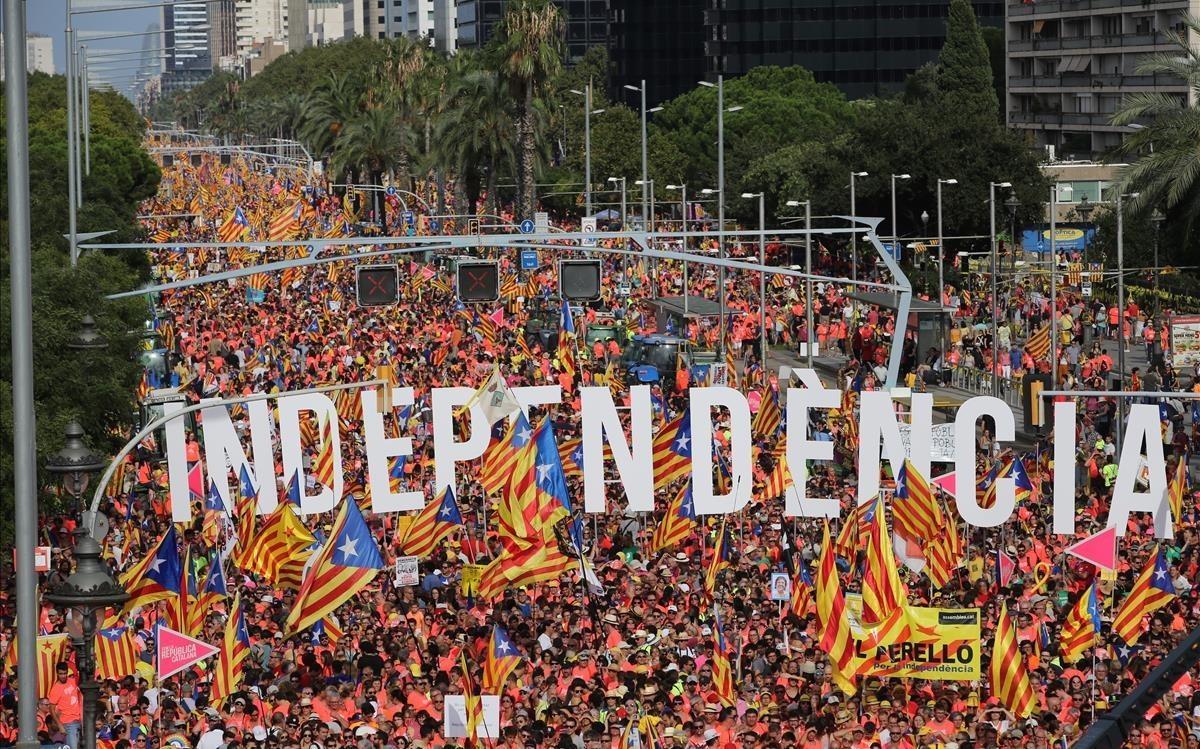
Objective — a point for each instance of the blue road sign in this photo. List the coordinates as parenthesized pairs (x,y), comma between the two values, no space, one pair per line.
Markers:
(408,217)
(529,259)
(435,225)
(527,226)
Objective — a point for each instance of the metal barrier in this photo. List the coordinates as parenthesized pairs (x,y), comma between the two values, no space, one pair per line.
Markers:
(979,382)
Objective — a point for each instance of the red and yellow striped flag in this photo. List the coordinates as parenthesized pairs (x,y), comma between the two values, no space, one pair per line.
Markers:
(1007,675)
(832,623)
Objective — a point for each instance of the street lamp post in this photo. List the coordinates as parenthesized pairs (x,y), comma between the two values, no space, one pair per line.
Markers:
(684,242)
(995,288)
(854,237)
(75,462)
(586,93)
(1054,329)
(720,86)
(1121,341)
(90,589)
(895,227)
(647,186)
(941,263)
(762,276)
(1157,219)
(625,256)
(808,282)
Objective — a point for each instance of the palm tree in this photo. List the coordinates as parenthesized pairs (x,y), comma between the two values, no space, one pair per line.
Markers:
(331,105)
(473,136)
(375,143)
(1164,158)
(531,43)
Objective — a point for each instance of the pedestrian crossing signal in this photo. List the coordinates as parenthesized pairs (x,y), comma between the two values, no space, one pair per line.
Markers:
(377,285)
(478,282)
(579,280)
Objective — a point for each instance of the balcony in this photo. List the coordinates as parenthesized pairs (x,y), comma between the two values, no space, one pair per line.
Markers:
(1085,80)
(1043,8)
(1064,119)
(1098,42)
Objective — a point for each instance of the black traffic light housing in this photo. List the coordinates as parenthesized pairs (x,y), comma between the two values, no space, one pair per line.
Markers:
(168,160)
(226,159)
(478,281)
(579,280)
(197,159)
(377,285)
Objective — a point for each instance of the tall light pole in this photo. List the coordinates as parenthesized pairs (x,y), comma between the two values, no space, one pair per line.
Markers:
(895,226)
(586,93)
(645,154)
(647,186)
(995,288)
(1054,328)
(1121,342)
(721,110)
(762,276)
(941,263)
(16,107)
(854,234)
(808,282)
(1157,218)
(684,243)
(624,256)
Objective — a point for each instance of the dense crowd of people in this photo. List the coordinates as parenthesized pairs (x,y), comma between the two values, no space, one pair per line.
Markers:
(628,662)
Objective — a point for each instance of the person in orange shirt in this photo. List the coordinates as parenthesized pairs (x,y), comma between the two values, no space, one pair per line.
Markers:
(67,704)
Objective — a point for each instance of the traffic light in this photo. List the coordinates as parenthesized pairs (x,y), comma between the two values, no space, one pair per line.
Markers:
(226,159)
(579,280)
(168,161)
(478,281)
(197,159)
(377,285)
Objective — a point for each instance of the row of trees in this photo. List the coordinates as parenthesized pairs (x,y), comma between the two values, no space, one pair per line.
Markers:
(94,387)
(503,118)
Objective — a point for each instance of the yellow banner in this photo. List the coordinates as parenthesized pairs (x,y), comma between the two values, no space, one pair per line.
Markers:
(469,584)
(946,647)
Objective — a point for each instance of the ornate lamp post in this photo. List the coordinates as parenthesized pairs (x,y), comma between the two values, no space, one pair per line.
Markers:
(88,336)
(76,463)
(88,590)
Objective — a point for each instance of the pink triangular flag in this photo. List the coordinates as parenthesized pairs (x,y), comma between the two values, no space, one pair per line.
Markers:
(1005,567)
(1099,549)
(945,482)
(177,651)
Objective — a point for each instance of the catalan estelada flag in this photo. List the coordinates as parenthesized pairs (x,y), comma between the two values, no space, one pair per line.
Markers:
(769,418)
(1151,591)
(501,660)
(722,670)
(780,477)
(1007,675)
(1081,630)
(157,577)
(566,341)
(678,523)
(235,227)
(116,653)
(673,450)
(346,564)
(916,512)
(235,649)
(431,525)
(802,591)
(720,559)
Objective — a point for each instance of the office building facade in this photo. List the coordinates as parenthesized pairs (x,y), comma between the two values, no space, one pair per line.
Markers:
(864,47)
(186,35)
(1069,65)
(585,21)
(39,54)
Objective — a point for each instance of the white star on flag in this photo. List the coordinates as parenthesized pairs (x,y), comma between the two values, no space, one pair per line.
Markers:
(348,549)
